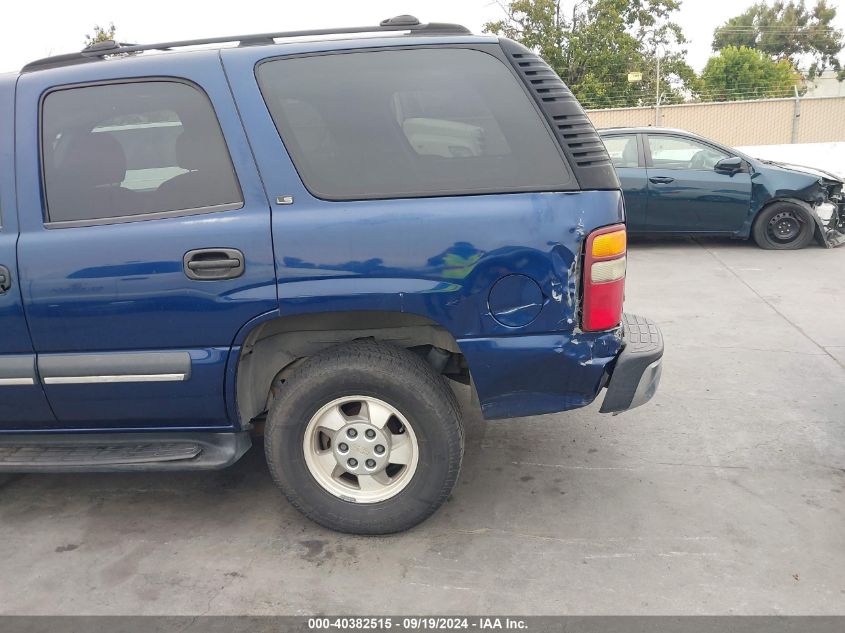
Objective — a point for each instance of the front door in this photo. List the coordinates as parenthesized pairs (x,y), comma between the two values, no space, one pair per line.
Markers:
(685,191)
(22,402)
(149,246)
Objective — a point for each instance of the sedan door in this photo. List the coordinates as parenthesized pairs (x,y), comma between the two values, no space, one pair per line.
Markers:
(626,153)
(686,193)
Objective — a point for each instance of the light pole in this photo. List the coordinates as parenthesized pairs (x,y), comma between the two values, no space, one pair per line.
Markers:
(657,89)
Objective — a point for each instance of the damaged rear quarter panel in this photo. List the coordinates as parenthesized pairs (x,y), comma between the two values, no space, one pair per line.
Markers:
(439,258)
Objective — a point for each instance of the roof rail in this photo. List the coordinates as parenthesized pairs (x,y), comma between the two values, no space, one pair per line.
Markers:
(100,50)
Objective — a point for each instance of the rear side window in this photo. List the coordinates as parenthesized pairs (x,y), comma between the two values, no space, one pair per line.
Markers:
(623,150)
(118,150)
(402,123)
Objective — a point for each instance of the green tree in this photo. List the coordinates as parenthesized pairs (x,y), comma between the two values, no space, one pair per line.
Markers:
(786,30)
(106,34)
(594,44)
(739,73)
(101,34)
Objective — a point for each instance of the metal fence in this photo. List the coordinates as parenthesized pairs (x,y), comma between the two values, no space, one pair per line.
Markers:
(763,122)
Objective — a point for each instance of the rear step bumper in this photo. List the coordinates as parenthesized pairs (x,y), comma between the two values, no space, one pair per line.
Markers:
(111,452)
(636,373)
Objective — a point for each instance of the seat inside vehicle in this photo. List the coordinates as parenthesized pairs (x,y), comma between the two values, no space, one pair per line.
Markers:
(204,182)
(90,176)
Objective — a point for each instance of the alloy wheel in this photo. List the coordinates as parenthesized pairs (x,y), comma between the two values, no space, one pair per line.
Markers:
(361,449)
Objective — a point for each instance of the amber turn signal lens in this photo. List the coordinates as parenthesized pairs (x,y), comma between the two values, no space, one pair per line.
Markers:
(609,244)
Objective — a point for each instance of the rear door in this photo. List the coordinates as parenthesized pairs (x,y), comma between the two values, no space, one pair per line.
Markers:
(687,193)
(628,160)
(22,401)
(148,247)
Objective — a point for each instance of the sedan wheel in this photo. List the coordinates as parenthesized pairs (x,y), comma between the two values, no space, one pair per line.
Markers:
(783,226)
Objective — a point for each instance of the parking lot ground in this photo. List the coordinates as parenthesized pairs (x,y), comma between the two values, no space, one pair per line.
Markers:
(725,494)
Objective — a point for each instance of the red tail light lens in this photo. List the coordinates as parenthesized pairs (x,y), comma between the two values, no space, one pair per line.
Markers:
(604,278)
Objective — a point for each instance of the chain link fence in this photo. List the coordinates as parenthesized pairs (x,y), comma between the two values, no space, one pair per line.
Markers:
(762,122)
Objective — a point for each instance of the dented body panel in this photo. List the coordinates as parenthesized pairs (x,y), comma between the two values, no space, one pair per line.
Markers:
(820,192)
(439,258)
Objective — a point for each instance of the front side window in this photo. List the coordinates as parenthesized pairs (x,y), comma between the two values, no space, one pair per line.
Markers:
(673,152)
(401,123)
(623,150)
(128,149)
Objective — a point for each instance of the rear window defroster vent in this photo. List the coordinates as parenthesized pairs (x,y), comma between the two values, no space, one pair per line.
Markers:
(578,138)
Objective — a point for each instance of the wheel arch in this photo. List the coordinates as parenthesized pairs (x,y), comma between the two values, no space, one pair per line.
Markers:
(782,198)
(273,346)
(791,199)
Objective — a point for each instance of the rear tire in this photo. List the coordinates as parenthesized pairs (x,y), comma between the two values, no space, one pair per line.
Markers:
(783,226)
(365,438)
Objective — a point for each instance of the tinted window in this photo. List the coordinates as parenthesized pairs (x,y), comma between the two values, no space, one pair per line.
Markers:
(674,152)
(623,150)
(127,149)
(409,123)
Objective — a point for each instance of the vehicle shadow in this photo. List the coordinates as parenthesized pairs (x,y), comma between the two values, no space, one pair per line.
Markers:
(642,242)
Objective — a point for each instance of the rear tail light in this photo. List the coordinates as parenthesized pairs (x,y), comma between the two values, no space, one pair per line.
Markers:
(604,278)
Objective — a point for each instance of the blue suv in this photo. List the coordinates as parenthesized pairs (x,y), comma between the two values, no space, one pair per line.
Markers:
(309,241)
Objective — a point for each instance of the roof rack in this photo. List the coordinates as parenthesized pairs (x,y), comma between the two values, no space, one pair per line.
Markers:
(100,50)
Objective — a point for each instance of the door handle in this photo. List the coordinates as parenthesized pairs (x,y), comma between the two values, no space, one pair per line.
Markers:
(213,264)
(661,180)
(5,279)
